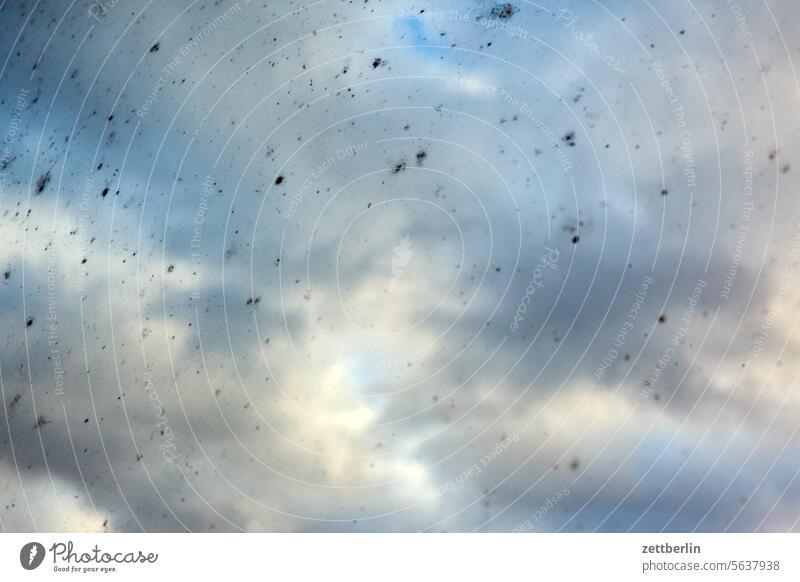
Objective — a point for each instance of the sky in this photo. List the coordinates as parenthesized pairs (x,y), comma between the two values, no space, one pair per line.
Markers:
(367,266)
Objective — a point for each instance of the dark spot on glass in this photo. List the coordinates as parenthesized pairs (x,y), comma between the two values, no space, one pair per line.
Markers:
(505,10)
(42,182)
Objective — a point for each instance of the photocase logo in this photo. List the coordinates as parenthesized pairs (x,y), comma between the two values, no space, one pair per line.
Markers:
(401,257)
(31,555)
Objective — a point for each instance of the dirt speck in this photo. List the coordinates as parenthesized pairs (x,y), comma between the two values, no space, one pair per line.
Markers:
(42,182)
(503,11)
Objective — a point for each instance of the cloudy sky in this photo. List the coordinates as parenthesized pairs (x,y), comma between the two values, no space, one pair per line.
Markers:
(399,266)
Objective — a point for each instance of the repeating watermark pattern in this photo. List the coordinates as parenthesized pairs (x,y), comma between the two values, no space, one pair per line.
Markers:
(401,257)
(496,21)
(52,323)
(677,337)
(569,21)
(380,414)
(12,135)
(197,234)
(543,510)
(331,351)
(84,241)
(741,19)
(547,260)
(474,85)
(100,8)
(775,307)
(319,171)
(627,327)
(523,108)
(183,53)
(744,226)
(476,468)
(678,111)
(167,447)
